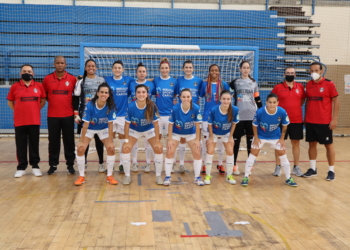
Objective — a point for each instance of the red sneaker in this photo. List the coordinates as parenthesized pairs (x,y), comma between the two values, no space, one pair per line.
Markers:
(221,169)
(203,171)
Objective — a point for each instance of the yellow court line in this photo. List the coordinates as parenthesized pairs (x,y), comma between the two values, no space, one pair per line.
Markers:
(102,193)
(261,220)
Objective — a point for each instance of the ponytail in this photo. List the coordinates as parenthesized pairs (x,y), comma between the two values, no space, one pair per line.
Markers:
(164,60)
(151,108)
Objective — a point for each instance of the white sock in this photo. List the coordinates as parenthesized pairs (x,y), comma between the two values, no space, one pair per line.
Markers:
(81,165)
(208,164)
(313,164)
(331,168)
(197,167)
(220,151)
(110,163)
(204,150)
(158,162)
(148,150)
(229,164)
(285,165)
(249,164)
(134,152)
(126,164)
(168,165)
(121,142)
(182,153)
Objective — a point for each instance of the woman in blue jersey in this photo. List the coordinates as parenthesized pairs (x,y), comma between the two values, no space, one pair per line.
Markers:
(222,120)
(266,129)
(141,74)
(120,90)
(142,121)
(84,91)
(247,99)
(184,122)
(98,119)
(211,90)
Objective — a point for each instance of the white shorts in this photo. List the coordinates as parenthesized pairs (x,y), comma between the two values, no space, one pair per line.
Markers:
(163,122)
(147,134)
(205,131)
(222,138)
(102,134)
(118,125)
(187,137)
(272,142)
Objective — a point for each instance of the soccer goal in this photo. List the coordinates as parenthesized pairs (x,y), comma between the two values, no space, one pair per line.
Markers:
(227,58)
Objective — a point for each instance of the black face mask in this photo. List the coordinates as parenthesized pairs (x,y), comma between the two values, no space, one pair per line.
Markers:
(27,77)
(289,78)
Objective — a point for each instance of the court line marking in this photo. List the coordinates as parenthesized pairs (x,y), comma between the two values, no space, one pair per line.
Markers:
(194,236)
(102,192)
(131,201)
(260,220)
(187,229)
(192,161)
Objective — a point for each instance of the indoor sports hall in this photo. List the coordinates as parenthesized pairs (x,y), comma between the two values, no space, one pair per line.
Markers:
(49,212)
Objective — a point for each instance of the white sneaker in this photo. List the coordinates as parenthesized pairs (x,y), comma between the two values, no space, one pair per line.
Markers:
(134,167)
(207,179)
(198,181)
(159,180)
(147,168)
(101,168)
(19,173)
(182,169)
(167,181)
(173,168)
(235,170)
(36,172)
(126,180)
(230,179)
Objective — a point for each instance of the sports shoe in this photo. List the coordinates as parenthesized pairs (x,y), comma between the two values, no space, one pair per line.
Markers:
(173,168)
(230,179)
(147,168)
(207,179)
(291,182)
(134,167)
(126,180)
(182,169)
(19,173)
(121,169)
(52,170)
(167,181)
(277,171)
(330,176)
(198,181)
(111,180)
(310,172)
(101,168)
(159,180)
(36,172)
(235,170)
(79,181)
(203,171)
(221,169)
(71,169)
(245,181)
(296,170)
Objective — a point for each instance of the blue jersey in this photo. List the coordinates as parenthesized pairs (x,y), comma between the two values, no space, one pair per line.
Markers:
(98,118)
(120,90)
(137,118)
(210,101)
(133,84)
(269,125)
(165,91)
(185,123)
(219,121)
(193,84)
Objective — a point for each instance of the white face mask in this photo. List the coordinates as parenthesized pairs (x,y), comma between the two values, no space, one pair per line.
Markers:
(315,76)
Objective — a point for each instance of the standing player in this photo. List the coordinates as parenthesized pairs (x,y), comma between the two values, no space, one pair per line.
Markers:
(266,129)
(165,92)
(120,88)
(98,120)
(59,87)
(247,98)
(184,122)
(26,97)
(84,91)
(322,108)
(222,121)
(291,96)
(211,90)
(141,74)
(142,120)
(193,83)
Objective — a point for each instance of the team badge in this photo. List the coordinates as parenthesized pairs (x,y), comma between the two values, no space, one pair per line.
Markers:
(321,90)
(35,90)
(199,117)
(93,121)
(114,115)
(178,124)
(216,125)
(192,116)
(124,83)
(263,126)
(279,119)
(195,83)
(297,90)
(67,83)
(287,118)
(158,91)
(238,117)
(171,84)
(134,121)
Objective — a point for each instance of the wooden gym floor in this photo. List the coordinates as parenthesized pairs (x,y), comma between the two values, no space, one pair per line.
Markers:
(49,212)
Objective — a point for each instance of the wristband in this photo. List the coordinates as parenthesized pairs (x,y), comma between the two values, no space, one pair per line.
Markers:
(76,112)
(126,140)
